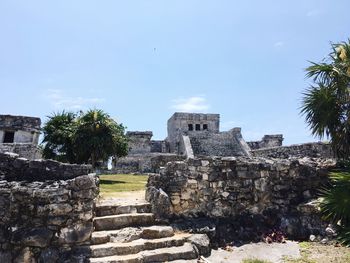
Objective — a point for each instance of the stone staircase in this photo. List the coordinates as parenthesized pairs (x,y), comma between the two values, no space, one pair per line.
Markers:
(129,233)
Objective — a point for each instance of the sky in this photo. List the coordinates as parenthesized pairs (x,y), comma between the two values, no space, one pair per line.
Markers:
(140,61)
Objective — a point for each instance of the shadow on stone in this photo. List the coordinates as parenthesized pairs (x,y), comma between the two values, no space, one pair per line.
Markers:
(111,182)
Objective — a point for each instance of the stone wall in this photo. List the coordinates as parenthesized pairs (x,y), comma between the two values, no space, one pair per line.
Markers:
(158,146)
(25,150)
(316,150)
(228,143)
(267,142)
(25,129)
(20,123)
(143,163)
(231,187)
(139,142)
(46,210)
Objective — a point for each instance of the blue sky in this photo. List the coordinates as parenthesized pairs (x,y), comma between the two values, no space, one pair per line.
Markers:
(140,61)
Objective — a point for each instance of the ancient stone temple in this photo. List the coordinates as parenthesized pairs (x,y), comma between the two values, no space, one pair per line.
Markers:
(189,135)
(191,124)
(20,134)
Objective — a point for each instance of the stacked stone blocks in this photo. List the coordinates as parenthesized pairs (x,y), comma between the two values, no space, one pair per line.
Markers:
(46,210)
(229,186)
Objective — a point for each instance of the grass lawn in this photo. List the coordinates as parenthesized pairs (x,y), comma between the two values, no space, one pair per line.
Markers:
(112,184)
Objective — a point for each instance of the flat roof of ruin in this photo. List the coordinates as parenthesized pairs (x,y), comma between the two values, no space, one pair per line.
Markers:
(188,114)
(20,122)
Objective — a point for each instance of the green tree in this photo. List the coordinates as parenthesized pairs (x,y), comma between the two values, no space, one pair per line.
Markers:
(326,104)
(58,137)
(98,137)
(85,138)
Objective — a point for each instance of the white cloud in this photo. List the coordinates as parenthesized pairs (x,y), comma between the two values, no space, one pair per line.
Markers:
(60,101)
(191,104)
(278,44)
(314,12)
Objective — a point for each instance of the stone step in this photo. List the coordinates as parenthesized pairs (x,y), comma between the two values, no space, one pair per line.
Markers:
(115,222)
(106,209)
(185,251)
(134,247)
(129,234)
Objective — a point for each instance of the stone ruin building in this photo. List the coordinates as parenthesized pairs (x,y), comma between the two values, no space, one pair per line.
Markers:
(189,135)
(20,134)
(222,188)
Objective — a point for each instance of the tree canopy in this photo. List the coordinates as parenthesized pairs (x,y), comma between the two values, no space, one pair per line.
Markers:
(58,137)
(85,138)
(326,103)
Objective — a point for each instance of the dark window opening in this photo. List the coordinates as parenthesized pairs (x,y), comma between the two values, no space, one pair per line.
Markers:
(9,137)
(198,127)
(205,127)
(190,127)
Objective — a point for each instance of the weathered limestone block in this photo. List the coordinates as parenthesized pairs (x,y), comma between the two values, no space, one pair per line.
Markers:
(83,194)
(175,199)
(76,233)
(86,216)
(226,187)
(46,209)
(84,182)
(205,176)
(36,237)
(202,243)
(160,201)
(192,183)
(83,205)
(261,184)
(55,209)
(314,150)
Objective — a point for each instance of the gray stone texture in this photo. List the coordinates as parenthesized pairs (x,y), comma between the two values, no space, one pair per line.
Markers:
(228,187)
(15,168)
(267,142)
(179,123)
(25,135)
(139,142)
(26,129)
(25,150)
(228,143)
(315,150)
(46,208)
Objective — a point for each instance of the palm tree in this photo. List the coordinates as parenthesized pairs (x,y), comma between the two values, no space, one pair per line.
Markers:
(98,137)
(326,104)
(58,137)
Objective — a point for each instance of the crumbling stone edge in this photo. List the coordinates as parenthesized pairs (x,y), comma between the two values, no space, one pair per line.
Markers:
(46,210)
(241,197)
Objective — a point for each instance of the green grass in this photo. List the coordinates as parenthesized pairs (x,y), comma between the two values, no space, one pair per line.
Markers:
(254,260)
(113,183)
(304,245)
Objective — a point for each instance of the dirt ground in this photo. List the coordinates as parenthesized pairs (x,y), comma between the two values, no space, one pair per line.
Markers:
(290,252)
(131,195)
(319,253)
